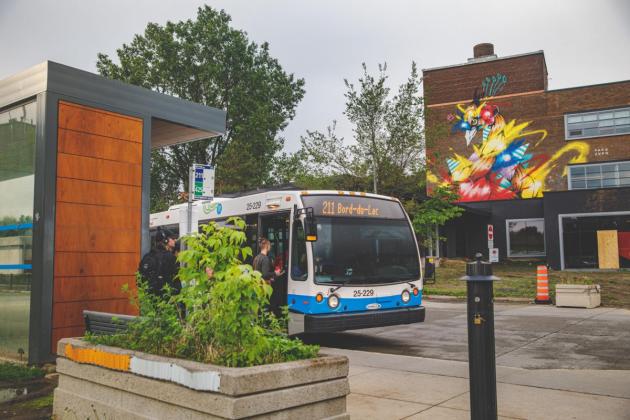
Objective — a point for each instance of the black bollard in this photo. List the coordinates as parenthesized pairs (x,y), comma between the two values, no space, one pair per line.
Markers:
(481,355)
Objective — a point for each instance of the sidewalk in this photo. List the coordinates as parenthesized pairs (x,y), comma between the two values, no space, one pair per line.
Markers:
(385,386)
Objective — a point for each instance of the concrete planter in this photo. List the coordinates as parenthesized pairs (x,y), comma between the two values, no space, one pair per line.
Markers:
(578,295)
(112,383)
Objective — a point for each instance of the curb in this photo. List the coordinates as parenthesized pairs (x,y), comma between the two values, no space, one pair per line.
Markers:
(446,298)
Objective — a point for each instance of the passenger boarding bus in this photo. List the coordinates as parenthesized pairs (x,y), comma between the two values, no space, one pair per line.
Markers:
(350,260)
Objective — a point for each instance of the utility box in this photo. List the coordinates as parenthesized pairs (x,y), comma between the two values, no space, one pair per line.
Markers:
(578,295)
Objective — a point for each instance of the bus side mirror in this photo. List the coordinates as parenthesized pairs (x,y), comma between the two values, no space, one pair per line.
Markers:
(310,227)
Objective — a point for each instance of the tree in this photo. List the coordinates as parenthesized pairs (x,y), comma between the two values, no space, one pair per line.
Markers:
(207,61)
(388,136)
(428,215)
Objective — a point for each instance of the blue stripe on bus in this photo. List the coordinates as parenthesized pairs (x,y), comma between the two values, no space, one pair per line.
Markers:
(20,226)
(16,266)
(308,305)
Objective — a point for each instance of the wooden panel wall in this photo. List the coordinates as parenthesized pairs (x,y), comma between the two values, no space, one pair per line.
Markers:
(98,214)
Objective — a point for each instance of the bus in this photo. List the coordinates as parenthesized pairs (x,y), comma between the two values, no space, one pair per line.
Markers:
(350,259)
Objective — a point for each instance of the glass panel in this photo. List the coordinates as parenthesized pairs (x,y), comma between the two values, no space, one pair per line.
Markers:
(624,177)
(606,123)
(609,170)
(594,183)
(590,132)
(610,182)
(594,169)
(17,162)
(622,121)
(527,237)
(605,115)
(299,268)
(578,184)
(622,129)
(625,113)
(589,117)
(577,171)
(364,251)
(574,119)
(575,133)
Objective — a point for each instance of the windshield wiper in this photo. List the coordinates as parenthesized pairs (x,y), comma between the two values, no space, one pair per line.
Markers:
(339,286)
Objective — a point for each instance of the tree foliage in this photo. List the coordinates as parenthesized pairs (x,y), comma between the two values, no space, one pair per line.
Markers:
(388,144)
(434,211)
(207,61)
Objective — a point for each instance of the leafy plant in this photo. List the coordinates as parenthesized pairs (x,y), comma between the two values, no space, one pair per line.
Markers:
(222,319)
(13,372)
(435,211)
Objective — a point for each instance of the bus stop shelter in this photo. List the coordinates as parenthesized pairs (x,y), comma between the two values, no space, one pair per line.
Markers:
(75,152)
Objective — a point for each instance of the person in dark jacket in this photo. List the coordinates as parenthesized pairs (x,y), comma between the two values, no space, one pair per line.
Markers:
(264,264)
(159,266)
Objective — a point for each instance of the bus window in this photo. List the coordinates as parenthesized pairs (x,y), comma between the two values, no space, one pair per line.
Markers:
(251,234)
(299,269)
(275,227)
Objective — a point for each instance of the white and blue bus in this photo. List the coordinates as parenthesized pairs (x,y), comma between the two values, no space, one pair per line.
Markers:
(350,260)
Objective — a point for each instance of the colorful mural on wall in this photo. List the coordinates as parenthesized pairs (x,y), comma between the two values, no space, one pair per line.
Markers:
(504,163)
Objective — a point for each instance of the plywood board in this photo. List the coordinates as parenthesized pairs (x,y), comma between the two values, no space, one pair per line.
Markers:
(608,249)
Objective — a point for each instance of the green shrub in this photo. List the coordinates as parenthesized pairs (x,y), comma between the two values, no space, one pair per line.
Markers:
(226,320)
(13,372)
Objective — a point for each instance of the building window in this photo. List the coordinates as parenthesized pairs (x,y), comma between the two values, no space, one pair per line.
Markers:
(600,175)
(18,133)
(525,237)
(597,124)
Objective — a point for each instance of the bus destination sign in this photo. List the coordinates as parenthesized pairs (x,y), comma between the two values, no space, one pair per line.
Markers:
(352,206)
(338,208)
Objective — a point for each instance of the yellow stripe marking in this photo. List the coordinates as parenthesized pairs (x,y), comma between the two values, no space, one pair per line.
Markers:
(98,357)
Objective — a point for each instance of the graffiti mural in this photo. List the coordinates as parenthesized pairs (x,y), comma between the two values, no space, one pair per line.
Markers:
(503,162)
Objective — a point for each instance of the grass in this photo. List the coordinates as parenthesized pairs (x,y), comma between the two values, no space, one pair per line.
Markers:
(518,279)
(14,319)
(12,372)
(38,403)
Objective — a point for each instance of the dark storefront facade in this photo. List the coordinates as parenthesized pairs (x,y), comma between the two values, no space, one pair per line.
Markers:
(548,170)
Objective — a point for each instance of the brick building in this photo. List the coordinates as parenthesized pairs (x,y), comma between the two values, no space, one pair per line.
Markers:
(548,169)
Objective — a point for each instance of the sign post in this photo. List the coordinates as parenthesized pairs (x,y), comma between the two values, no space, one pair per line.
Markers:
(200,187)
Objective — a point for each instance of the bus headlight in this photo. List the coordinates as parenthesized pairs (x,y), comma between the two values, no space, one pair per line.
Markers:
(405,296)
(333,301)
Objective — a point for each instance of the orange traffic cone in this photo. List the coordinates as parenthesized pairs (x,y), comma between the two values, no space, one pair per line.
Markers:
(542,285)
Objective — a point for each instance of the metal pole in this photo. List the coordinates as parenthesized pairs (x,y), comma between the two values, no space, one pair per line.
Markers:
(191,183)
(481,346)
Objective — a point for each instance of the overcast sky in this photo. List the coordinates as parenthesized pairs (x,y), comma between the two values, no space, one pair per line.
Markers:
(323,41)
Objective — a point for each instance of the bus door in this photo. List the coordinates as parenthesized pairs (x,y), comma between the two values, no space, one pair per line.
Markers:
(275,227)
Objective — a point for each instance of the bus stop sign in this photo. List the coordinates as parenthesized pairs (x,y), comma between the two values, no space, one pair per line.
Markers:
(203,182)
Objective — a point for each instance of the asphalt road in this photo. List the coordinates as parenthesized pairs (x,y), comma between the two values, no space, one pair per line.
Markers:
(527,336)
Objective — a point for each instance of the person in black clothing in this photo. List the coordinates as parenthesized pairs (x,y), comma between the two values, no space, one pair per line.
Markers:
(264,264)
(159,266)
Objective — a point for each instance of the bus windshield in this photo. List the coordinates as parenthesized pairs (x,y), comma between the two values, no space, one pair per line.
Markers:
(364,251)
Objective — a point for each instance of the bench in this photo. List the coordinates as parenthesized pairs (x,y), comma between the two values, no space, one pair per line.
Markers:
(104,323)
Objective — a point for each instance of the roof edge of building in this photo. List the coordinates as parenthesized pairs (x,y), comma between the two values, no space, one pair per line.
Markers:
(588,86)
(507,57)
